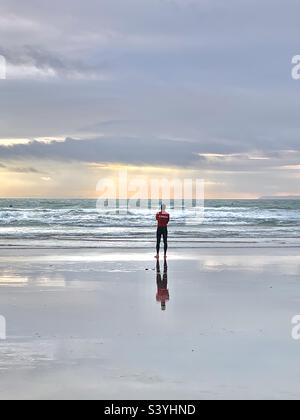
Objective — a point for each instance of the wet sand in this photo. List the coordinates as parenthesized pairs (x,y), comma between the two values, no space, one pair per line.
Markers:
(87,324)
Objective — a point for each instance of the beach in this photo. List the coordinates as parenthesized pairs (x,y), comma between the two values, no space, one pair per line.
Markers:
(86,324)
(129,128)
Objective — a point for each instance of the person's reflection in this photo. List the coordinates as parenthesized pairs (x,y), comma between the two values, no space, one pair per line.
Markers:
(162,295)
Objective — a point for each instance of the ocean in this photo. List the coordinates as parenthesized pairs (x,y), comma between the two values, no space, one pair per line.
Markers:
(30,223)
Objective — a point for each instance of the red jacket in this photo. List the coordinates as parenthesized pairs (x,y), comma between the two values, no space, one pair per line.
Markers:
(162,295)
(163,219)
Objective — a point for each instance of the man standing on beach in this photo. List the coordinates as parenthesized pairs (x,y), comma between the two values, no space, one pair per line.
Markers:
(163,219)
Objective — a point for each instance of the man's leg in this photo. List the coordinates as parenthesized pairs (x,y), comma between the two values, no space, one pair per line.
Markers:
(166,242)
(158,242)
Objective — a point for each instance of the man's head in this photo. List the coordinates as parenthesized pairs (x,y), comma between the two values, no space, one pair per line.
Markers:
(163,207)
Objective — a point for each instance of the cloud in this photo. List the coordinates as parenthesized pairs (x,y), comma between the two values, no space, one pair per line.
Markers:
(24,170)
(108,150)
(36,61)
(150,152)
(191,40)
(169,68)
(20,170)
(161,82)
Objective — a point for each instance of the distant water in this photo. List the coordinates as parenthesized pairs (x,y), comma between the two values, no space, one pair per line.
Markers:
(77,223)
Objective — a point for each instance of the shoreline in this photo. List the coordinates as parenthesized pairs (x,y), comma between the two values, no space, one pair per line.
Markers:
(148,249)
(184,244)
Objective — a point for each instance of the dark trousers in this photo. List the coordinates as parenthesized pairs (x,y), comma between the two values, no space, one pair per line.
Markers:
(162,232)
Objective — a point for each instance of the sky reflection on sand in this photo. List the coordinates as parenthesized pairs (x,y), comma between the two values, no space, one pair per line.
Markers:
(96,327)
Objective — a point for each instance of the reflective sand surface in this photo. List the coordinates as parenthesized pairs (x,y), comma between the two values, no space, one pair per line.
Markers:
(212,324)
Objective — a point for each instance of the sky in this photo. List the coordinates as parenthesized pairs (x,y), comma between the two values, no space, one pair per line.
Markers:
(194,88)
